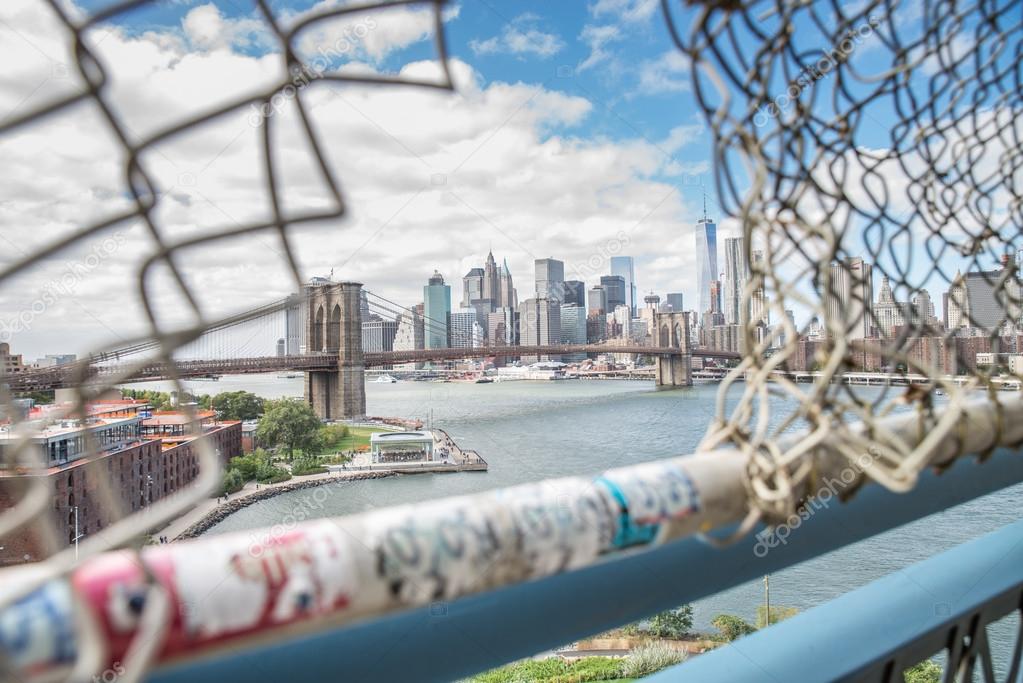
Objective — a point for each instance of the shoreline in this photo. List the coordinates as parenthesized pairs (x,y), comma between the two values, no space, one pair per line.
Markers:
(210,513)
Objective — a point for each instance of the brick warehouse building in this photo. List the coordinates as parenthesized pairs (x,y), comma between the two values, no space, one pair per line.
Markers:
(142,464)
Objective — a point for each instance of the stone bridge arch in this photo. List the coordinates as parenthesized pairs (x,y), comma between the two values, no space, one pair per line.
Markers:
(334,325)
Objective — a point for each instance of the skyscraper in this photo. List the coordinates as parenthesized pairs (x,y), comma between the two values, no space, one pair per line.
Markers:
(889,314)
(760,310)
(506,290)
(597,301)
(575,293)
(674,299)
(973,302)
(409,335)
(539,323)
(849,297)
(736,276)
(573,329)
(466,332)
(624,266)
(436,310)
(550,279)
(614,292)
(706,258)
(472,287)
(491,289)
(378,334)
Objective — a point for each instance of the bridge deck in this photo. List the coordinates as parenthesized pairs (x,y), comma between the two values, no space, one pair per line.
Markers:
(82,373)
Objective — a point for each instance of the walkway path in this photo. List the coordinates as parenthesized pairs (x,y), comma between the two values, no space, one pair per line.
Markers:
(193,516)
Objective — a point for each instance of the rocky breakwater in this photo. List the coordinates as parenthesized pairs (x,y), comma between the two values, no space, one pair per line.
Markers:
(224,510)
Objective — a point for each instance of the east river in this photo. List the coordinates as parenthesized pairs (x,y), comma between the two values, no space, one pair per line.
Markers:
(529,431)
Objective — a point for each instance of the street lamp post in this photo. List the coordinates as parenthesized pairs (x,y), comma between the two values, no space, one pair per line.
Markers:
(77,534)
(767,599)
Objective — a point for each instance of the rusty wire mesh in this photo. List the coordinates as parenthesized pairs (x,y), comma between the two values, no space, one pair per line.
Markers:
(301,75)
(854,140)
(925,198)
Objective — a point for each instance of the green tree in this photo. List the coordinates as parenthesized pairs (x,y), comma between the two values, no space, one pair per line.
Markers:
(672,623)
(233,481)
(778,613)
(289,424)
(732,627)
(237,405)
(926,671)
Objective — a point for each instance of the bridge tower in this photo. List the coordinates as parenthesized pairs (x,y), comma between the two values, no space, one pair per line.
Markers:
(672,330)
(334,325)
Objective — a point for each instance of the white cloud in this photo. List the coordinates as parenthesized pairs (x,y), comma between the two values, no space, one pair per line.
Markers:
(519,37)
(372,35)
(624,10)
(597,38)
(206,28)
(625,15)
(668,73)
(515,175)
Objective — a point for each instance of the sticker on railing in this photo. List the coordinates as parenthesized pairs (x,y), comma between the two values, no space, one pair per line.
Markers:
(648,496)
(37,631)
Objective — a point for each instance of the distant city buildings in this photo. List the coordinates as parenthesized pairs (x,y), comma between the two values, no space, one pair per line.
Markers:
(674,300)
(11,361)
(52,360)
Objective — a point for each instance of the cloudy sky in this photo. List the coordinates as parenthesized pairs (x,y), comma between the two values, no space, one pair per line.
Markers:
(571,133)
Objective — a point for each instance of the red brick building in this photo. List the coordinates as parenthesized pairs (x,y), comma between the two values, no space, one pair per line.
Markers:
(113,444)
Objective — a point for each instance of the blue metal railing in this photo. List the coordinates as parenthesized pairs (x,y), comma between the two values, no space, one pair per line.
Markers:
(445,641)
(942,604)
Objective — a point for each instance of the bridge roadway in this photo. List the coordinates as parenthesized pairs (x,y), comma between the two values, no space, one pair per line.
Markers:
(76,374)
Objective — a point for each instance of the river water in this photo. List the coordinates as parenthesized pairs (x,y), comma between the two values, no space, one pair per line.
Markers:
(535,430)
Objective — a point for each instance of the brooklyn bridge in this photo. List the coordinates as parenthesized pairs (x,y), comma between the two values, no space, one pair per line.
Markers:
(333,359)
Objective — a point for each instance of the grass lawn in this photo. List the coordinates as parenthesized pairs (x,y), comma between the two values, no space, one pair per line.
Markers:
(357,436)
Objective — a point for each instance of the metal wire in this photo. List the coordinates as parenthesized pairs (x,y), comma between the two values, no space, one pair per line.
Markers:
(167,251)
(881,131)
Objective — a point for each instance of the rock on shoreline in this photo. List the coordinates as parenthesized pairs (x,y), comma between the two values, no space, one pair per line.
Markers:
(227,509)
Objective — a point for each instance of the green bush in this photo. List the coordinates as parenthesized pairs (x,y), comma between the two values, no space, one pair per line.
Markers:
(732,627)
(523,672)
(554,670)
(650,658)
(672,623)
(233,481)
(271,474)
(331,434)
(591,669)
(926,671)
(307,465)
